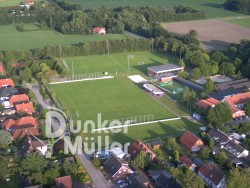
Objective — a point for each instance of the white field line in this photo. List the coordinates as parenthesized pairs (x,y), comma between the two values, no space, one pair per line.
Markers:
(87,79)
(135,124)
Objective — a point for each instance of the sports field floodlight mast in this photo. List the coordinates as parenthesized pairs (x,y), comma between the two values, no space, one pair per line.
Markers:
(129,57)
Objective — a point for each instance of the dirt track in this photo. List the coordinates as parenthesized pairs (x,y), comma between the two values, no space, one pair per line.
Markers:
(214,34)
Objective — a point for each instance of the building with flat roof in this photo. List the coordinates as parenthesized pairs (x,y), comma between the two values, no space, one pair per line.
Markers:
(164,72)
(154,90)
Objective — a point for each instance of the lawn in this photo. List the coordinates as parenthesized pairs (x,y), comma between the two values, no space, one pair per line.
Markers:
(7,3)
(11,39)
(211,7)
(161,130)
(114,98)
(118,62)
(245,22)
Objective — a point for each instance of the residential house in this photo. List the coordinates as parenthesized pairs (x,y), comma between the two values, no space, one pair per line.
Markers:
(25,126)
(207,103)
(30,145)
(138,180)
(238,100)
(188,162)
(191,141)
(26,108)
(163,179)
(224,141)
(155,144)
(18,99)
(231,88)
(211,103)
(64,182)
(118,152)
(139,146)
(117,168)
(6,82)
(212,176)
(99,30)
(5,93)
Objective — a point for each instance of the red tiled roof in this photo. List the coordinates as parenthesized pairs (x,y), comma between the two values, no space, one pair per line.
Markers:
(9,123)
(63,182)
(186,161)
(139,146)
(210,102)
(24,121)
(18,99)
(212,173)
(189,140)
(98,29)
(6,82)
(29,120)
(1,67)
(25,108)
(238,99)
(23,132)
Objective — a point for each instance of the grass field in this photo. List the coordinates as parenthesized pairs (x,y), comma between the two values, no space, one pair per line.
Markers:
(6,3)
(245,22)
(119,62)
(114,98)
(162,130)
(211,7)
(11,39)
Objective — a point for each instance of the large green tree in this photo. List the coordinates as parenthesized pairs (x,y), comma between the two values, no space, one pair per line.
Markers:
(33,163)
(49,176)
(5,139)
(141,160)
(190,179)
(238,178)
(4,171)
(209,86)
(247,108)
(219,115)
(221,158)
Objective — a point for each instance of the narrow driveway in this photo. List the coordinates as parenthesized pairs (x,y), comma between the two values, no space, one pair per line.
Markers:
(96,176)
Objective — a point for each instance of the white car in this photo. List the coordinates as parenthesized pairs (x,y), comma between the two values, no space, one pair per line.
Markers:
(120,181)
(123,185)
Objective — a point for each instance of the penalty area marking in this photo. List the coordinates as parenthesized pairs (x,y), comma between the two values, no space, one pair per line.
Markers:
(135,124)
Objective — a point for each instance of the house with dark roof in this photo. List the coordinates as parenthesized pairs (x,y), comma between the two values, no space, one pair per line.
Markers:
(231,88)
(64,182)
(212,176)
(164,73)
(31,145)
(224,141)
(191,141)
(139,146)
(26,108)
(155,144)
(117,168)
(163,179)
(188,162)
(5,93)
(138,180)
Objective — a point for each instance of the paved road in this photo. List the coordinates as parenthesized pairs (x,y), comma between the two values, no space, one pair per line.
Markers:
(96,176)
(236,122)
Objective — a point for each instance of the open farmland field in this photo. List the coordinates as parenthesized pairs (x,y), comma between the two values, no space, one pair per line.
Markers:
(214,34)
(11,39)
(119,62)
(245,22)
(212,8)
(114,98)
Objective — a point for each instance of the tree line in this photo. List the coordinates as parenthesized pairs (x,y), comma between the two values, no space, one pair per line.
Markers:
(238,5)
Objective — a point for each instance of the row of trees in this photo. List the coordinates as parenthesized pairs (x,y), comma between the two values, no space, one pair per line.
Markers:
(238,5)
